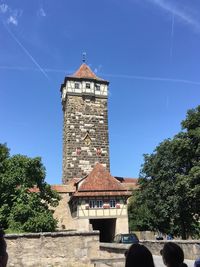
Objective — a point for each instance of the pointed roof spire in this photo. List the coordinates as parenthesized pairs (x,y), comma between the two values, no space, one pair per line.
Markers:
(84,72)
(84,57)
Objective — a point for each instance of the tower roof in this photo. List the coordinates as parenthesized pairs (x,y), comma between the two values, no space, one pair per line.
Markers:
(100,179)
(84,72)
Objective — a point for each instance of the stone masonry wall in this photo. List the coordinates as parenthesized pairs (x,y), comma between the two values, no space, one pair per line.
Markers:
(85,135)
(191,248)
(77,249)
(63,215)
(71,249)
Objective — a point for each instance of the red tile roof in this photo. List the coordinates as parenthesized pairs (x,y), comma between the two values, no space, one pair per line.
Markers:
(85,72)
(100,179)
(130,180)
(98,183)
(102,193)
(59,188)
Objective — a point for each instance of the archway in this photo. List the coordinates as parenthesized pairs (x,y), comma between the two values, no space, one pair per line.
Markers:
(106,228)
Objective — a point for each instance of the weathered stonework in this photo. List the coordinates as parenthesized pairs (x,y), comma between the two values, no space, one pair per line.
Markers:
(96,200)
(59,249)
(78,249)
(85,127)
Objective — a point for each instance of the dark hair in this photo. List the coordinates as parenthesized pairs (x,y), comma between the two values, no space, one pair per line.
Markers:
(138,256)
(2,243)
(173,255)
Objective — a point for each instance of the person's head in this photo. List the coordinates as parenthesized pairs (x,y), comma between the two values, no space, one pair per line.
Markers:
(173,255)
(138,256)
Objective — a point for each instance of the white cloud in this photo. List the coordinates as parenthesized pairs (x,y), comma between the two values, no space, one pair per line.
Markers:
(182,13)
(3,8)
(10,15)
(12,20)
(41,12)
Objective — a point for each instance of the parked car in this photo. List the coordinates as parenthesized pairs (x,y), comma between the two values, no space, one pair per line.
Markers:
(126,239)
(159,237)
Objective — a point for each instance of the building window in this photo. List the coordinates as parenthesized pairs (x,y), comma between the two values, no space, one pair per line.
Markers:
(99,203)
(77,85)
(95,203)
(112,203)
(92,203)
(88,85)
(97,87)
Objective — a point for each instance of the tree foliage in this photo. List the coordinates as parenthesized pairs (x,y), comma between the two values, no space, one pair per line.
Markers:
(22,209)
(169,196)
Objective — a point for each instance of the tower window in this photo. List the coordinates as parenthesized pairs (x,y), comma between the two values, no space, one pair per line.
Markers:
(77,85)
(97,87)
(88,85)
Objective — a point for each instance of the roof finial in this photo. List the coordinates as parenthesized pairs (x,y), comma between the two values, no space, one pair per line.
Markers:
(84,57)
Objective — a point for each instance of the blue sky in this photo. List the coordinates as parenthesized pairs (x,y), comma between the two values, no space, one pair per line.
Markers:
(147,49)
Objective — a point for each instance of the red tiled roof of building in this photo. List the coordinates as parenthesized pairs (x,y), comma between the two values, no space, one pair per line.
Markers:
(101,193)
(59,188)
(98,183)
(86,73)
(63,188)
(128,183)
(100,179)
(130,180)
(34,189)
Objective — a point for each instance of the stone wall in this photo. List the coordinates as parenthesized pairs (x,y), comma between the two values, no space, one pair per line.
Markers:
(60,249)
(85,135)
(64,217)
(191,248)
(77,249)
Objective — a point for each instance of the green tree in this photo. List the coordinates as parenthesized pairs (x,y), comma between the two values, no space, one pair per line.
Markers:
(22,208)
(169,182)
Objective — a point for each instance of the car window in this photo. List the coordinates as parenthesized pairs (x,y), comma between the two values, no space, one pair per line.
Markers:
(129,238)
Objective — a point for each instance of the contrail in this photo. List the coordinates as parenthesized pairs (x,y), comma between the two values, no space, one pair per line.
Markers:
(123,76)
(26,51)
(172,37)
(149,78)
(34,69)
(182,14)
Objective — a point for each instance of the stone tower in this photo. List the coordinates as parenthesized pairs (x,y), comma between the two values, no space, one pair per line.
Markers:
(85,123)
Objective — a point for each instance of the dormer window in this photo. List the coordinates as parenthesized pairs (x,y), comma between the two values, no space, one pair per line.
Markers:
(97,87)
(88,85)
(77,85)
